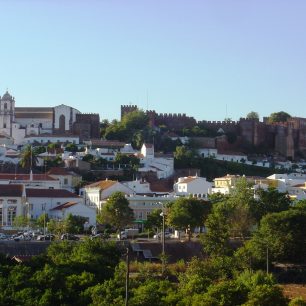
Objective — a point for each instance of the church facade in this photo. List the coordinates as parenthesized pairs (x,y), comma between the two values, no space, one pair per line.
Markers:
(18,123)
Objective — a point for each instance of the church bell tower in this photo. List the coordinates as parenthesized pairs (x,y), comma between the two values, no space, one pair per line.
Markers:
(7,113)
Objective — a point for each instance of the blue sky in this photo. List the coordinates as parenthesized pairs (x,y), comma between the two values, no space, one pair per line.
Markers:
(208,59)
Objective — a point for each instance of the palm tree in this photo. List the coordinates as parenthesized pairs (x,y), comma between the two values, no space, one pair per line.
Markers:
(28,158)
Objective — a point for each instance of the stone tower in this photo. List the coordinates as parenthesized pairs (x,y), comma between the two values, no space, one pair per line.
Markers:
(7,114)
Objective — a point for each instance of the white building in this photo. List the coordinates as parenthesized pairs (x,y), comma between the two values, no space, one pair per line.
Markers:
(97,193)
(192,186)
(67,179)
(143,205)
(30,180)
(75,209)
(162,166)
(44,200)
(12,204)
(26,124)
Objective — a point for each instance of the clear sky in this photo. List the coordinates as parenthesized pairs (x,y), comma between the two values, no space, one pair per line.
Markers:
(210,59)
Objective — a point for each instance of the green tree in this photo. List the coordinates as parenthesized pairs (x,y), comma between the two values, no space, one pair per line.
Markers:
(42,220)
(266,295)
(71,147)
(188,213)
(152,292)
(269,201)
(116,211)
(74,224)
(136,120)
(229,218)
(283,234)
(154,220)
(252,115)
(28,158)
(216,240)
(21,221)
(279,117)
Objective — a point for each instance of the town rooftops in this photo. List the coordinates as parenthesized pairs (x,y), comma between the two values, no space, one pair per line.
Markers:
(60,171)
(8,190)
(102,184)
(107,143)
(188,179)
(25,177)
(50,193)
(65,205)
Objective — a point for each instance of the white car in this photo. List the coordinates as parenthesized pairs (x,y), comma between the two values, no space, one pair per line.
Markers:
(159,235)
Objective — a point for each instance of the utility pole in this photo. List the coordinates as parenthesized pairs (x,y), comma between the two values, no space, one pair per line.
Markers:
(163,243)
(127,276)
(267,260)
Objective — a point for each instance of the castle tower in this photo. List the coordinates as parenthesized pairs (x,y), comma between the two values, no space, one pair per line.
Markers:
(7,113)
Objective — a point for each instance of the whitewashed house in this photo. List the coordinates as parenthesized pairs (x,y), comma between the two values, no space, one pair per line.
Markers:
(192,186)
(97,193)
(162,166)
(44,200)
(67,179)
(30,180)
(76,209)
(12,204)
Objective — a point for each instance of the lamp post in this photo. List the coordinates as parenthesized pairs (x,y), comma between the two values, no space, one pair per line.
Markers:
(163,241)
(44,210)
(27,214)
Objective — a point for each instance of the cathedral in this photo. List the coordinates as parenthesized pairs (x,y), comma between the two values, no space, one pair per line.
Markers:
(18,123)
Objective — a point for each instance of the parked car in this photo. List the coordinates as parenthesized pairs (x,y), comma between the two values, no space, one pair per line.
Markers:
(69,237)
(100,235)
(3,236)
(45,237)
(159,235)
(22,237)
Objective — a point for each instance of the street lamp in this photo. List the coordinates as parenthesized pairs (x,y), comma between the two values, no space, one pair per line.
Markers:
(44,210)
(163,239)
(27,215)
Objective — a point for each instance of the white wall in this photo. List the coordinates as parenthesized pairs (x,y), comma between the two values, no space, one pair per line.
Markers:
(40,205)
(76,210)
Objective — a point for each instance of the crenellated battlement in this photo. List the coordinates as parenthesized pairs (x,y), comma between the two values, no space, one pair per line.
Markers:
(171,115)
(218,123)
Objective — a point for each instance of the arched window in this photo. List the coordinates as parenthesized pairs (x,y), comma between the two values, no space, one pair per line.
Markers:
(62,120)
(5,105)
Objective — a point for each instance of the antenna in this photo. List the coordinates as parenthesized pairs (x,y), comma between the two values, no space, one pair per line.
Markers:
(147,99)
(226,110)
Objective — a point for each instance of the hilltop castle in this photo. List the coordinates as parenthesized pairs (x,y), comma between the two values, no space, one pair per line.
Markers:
(286,138)
(17,123)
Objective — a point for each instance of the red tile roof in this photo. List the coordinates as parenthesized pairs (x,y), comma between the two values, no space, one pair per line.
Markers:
(102,184)
(65,205)
(50,193)
(26,177)
(60,171)
(9,190)
(107,143)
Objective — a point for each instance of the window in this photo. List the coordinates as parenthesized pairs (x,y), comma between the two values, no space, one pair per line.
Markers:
(11,215)
(4,125)
(11,201)
(5,105)
(65,181)
(1,215)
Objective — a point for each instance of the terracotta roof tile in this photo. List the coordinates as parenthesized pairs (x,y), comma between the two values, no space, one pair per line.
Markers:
(188,179)
(65,205)
(107,143)
(52,193)
(102,184)
(11,190)
(26,177)
(60,171)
